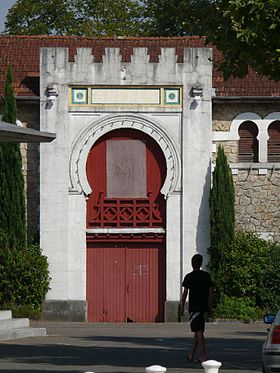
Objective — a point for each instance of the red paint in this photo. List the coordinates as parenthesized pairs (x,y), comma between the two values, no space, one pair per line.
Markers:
(96,171)
(125,212)
(125,282)
(126,272)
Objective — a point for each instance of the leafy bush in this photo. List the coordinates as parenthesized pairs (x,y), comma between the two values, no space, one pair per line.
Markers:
(244,265)
(248,280)
(268,296)
(236,308)
(24,275)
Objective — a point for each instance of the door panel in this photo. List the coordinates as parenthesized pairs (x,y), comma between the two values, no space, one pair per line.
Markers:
(114,284)
(95,294)
(143,284)
(106,284)
(138,274)
(124,283)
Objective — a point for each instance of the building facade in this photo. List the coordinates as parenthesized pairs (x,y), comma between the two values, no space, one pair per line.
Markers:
(124,188)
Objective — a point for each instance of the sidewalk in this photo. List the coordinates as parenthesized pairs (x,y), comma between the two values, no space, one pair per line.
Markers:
(123,348)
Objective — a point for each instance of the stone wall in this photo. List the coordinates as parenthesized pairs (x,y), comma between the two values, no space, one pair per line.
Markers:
(257,202)
(223,114)
(257,194)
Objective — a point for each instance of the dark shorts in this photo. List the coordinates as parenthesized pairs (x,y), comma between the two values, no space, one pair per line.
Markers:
(197,321)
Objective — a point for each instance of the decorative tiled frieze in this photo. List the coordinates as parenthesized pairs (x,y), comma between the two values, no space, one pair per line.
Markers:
(79,96)
(125,96)
(172,96)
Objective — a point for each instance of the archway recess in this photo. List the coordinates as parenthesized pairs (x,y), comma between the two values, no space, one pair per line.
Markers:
(87,138)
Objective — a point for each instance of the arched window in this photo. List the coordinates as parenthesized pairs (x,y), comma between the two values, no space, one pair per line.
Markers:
(273,145)
(248,145)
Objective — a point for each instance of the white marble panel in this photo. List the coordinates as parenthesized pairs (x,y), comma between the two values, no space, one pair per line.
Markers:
(121,96)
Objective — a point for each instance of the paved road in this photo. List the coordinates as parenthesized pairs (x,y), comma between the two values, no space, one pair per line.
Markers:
(123,348)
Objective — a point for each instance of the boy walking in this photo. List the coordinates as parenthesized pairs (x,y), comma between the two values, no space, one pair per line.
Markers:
(198,284)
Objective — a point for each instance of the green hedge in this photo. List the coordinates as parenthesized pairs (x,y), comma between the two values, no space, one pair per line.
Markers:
(24,278)
(237,308)
(248,281)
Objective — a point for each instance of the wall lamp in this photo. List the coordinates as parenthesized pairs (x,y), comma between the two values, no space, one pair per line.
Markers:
(197,93)
(52,93)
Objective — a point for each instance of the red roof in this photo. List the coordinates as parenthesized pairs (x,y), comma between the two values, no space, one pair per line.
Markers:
(23,53)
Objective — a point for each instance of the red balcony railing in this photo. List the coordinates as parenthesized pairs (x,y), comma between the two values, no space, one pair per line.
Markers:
(125,212)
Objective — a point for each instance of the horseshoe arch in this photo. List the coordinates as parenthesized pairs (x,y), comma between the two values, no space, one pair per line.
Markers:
(86,139)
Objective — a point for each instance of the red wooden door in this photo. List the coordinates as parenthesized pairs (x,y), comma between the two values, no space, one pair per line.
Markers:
(106,284)
(125,283)
(125,273)
(145,277)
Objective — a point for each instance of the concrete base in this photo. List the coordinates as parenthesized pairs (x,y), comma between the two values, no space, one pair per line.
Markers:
(14,328)
(18,333)
(171,311)
(64,310)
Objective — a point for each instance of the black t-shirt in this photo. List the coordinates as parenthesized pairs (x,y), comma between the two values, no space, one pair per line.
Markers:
(199,284)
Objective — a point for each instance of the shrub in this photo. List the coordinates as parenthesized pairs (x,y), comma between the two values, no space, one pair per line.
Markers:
(244,265)
(24,275)
(236,308)
(249,280)
(268,296)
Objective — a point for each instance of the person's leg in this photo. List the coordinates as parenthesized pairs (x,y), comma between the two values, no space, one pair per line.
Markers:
(194,346)
(201,345)
(197,323)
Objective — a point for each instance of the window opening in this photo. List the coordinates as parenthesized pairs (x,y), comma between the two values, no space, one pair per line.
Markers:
(248,145)
(273,145)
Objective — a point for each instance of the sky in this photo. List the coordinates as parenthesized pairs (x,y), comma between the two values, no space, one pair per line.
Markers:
(4,6)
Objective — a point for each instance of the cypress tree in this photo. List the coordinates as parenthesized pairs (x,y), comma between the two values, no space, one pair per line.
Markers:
(12,197)
(222,216)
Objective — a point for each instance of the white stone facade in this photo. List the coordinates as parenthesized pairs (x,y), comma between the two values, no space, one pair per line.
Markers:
(183,132)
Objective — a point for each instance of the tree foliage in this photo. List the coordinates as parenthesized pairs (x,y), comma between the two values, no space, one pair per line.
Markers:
(248,34)
(179,18)
(246,31)
(75,17)
(222,215)
(12,197)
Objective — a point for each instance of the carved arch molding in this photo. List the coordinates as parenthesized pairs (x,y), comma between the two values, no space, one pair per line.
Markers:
(87,138)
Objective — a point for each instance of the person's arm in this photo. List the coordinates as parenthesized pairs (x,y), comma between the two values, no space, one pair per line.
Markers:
(183,300)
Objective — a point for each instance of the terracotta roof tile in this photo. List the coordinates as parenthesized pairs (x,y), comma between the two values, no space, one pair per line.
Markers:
(23,53)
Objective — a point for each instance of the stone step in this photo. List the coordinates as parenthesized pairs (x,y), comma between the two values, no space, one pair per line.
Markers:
(14,328)
(27,332)
(5,314)
(10,324)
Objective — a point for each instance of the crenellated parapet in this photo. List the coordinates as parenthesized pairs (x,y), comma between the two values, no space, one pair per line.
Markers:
(154,65)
